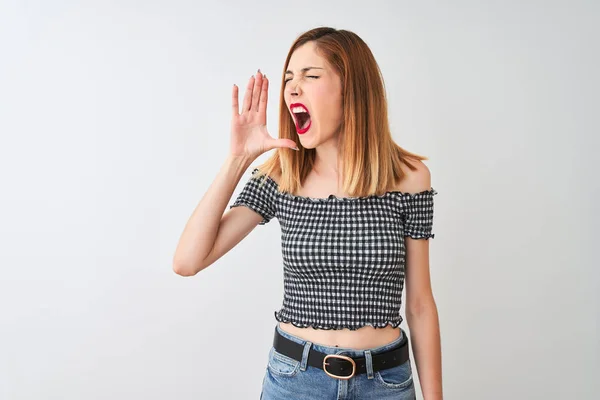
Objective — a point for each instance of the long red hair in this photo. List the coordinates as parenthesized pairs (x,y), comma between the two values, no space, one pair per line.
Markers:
(370,159)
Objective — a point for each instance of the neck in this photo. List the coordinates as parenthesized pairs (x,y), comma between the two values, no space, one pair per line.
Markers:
(327,163)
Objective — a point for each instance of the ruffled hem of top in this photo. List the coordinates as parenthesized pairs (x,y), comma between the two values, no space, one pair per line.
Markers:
(334,198)
(384,324)
(420,235)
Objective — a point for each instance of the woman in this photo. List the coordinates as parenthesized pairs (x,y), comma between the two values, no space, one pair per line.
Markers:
(356,213)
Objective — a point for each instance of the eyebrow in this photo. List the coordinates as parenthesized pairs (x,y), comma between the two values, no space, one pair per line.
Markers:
(303,70)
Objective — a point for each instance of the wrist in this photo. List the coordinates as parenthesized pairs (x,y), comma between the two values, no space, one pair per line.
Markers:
(238,162)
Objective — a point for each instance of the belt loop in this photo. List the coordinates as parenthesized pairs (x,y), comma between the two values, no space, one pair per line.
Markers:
(369,362)
(304,360)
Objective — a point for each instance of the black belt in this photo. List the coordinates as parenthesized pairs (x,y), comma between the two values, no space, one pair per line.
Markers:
(340,366)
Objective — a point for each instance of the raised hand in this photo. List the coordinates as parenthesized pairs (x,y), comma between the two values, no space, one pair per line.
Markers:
(249,135)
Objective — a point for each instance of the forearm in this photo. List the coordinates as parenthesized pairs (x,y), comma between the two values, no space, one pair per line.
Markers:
(200,232)
(426,346)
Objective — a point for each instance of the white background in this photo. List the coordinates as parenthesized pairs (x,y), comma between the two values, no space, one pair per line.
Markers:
(114,120)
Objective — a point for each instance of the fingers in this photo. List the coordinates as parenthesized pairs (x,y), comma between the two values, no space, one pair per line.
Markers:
(256,91)
(285,144)
(264,96)
(235,107)
(248,95)
(255,97)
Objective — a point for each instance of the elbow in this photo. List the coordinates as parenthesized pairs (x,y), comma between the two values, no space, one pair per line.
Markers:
(184,269)
(180,269)
(421,308)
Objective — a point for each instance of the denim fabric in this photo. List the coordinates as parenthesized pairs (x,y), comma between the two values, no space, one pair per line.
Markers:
(289,379)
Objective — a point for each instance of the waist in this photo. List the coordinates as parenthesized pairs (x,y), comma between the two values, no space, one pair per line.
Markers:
(364,338)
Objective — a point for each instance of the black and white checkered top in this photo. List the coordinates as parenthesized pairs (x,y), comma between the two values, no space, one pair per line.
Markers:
(343,257)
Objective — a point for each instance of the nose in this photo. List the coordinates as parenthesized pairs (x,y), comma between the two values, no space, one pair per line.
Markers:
(296,90)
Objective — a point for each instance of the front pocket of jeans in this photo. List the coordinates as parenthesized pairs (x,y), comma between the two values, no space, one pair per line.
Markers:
(399,376)
(280,364)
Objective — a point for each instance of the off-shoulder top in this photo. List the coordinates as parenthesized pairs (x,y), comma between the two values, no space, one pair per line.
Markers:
(343,257)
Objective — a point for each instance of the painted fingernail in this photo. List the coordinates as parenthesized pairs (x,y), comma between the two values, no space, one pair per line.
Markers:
(259,70)
(295,148)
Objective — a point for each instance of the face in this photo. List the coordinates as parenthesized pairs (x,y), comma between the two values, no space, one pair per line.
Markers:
(314,88)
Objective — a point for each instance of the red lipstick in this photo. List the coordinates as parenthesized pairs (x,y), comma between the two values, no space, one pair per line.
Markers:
(301,120)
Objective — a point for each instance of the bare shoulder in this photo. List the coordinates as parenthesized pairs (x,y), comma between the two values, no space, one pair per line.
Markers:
(416,180)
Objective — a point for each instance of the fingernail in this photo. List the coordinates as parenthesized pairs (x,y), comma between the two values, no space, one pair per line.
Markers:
(259,70)
(295,148)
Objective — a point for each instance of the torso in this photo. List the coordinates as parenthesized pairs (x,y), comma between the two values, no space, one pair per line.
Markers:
(361,339)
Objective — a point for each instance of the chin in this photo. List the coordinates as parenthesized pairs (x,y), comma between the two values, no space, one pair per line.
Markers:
(308,143)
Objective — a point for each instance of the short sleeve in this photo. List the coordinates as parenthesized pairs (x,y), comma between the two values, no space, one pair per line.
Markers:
(418,214)
(260,195)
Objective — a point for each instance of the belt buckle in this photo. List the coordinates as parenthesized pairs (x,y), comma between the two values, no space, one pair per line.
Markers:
(343,358)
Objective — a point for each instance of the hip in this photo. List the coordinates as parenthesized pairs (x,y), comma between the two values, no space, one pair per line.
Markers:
(290,376)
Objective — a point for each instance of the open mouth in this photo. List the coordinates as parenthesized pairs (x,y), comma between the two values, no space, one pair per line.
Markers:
(301,116)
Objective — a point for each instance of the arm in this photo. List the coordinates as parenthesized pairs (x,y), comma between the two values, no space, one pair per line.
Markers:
(422,318)
(421,310)
(209,233)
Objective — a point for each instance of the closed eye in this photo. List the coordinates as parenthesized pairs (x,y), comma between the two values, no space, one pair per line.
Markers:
(308,76)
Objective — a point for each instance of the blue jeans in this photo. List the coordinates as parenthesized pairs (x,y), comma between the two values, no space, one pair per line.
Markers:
(290,379)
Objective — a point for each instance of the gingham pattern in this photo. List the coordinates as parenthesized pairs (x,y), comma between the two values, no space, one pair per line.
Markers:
(343,258)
